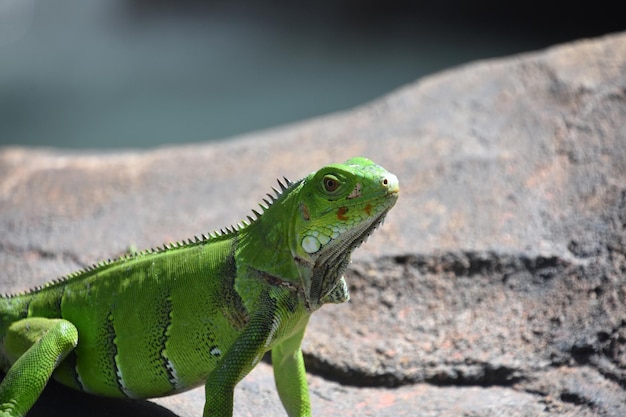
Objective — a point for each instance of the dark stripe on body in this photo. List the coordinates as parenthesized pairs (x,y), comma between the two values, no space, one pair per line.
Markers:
(233,306)
(26,308)
(71,361)
(110,354)
(59,299)
(164,322)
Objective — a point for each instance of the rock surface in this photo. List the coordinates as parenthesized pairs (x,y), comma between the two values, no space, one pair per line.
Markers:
(497,285)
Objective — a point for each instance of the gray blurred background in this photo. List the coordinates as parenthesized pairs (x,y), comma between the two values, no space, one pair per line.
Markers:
(142,73)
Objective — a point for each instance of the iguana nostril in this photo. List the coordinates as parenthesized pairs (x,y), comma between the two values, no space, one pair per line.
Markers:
(390,182)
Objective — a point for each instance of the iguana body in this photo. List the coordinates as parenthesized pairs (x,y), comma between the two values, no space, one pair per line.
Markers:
(204,311)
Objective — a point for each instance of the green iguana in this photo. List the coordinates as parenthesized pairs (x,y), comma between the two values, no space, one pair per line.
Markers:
(165,320)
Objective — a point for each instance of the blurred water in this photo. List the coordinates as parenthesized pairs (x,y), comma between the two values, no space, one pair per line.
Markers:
(119,73)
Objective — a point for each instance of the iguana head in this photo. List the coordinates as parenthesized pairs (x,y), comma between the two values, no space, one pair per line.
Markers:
(338,207)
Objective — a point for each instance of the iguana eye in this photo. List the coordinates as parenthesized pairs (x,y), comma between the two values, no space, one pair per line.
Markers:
(331,183)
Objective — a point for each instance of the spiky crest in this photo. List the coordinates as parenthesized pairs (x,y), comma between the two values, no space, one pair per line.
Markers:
(284,186)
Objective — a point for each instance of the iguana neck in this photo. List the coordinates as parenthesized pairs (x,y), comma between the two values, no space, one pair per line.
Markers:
(267,246)
(264,244)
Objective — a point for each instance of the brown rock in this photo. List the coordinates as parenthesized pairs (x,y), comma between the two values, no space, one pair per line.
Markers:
(497,285)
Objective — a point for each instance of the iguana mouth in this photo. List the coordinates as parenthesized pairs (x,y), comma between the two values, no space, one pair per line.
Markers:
(359,235)
(355,237)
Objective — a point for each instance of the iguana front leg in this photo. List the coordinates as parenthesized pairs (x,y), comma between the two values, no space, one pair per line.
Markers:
(249,349)
(239,360)
(35,346)
(290,376)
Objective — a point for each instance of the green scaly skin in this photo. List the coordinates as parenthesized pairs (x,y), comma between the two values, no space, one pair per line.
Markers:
(166,320)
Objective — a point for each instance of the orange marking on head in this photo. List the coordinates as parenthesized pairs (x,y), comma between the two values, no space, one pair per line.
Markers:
(368,209)
(341,213)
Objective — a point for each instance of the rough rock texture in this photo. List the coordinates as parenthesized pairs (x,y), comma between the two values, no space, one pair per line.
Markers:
(497,285)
